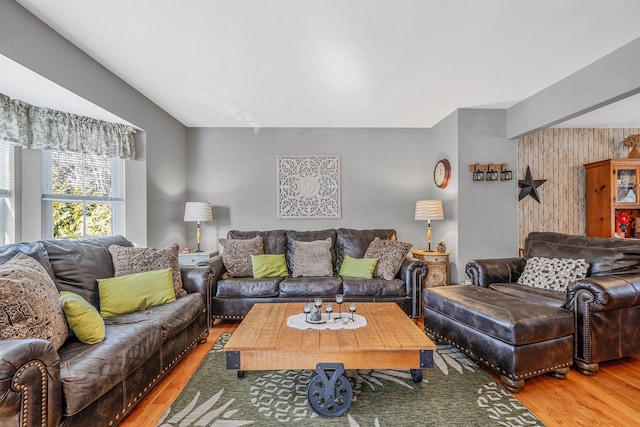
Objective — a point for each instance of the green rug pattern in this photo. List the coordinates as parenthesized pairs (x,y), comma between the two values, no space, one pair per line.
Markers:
(455,392)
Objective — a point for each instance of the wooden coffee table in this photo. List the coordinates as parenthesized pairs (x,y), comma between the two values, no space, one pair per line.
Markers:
(390,340)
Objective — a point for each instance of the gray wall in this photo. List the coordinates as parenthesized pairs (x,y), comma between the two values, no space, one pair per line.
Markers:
(488,211)
(444,144)
(384,172)
(481,218)
(156,184)
(607,80)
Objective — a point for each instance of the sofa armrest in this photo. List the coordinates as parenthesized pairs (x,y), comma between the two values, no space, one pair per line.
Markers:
(29,379)
(604,293)
(484,272)
(413,272)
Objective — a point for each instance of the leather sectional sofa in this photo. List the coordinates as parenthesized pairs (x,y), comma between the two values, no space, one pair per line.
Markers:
(604,307)
(233,297)
(98,384)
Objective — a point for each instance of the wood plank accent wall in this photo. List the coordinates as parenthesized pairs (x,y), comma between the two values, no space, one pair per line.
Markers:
(557,155)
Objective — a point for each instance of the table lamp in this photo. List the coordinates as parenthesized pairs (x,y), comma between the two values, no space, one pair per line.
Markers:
(428,210)
(198,211)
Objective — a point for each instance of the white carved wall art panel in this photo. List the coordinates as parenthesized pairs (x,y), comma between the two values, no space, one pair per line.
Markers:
(309,187)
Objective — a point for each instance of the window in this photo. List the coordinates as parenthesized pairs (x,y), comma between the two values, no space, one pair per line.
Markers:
(82,195)
(6,168)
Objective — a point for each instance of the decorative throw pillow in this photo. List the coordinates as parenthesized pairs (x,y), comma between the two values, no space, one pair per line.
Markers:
(139,260)
(358,267)
(133,292)
(554,274)
(29,302)
(83,318)
(269,266)
(236,256)
(390,254)
(312,259)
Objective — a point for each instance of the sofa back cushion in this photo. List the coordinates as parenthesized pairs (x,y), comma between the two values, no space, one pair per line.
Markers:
(78,264)
(34,249)
(354,243)
(274,241)
(309,236)
(604,255)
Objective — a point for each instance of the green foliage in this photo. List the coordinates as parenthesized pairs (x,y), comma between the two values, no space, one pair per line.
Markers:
(79,219)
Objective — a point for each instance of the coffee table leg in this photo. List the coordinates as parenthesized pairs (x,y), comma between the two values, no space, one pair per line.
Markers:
(330,393)
(241,374)
(416,375)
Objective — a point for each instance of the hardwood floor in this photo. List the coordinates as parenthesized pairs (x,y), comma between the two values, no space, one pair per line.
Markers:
(610,398)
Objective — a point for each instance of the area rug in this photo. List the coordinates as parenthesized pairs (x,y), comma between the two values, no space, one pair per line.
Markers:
(455,392)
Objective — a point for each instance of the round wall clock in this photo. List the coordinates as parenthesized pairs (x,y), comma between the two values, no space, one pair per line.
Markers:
(442,173)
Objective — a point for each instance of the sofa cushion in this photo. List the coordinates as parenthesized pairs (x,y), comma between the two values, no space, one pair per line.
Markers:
(310,287)
(308,236)
(391,255)
(78,264)
(35,250)
(501,316)
(373,287)
(354,243)
(88,371)
(553,274)
(128,260)
(605,255)
(83,318)
(172,317)
(362,268)
(273,241)
(248,287)
(312,259)
(29,302)
(529,293)
(269,265)
(236,256)
(133,292)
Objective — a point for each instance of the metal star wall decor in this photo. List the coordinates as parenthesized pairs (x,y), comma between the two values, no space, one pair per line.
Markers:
(528,186)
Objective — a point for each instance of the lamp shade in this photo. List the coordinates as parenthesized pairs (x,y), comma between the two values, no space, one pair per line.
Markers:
(429,209)
(198,211)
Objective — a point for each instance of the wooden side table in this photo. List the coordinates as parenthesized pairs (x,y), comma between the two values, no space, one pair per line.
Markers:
(194,258)
(438,274)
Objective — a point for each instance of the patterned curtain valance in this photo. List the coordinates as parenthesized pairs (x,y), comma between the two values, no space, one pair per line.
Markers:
(42,128)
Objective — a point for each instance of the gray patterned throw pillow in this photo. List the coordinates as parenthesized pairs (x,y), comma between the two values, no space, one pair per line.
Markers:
(554,274)
(312,259)
(236,256)
(30,304)
(128,260)
(391,254)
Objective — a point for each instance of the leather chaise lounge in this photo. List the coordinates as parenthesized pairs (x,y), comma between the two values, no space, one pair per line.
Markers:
(604,308)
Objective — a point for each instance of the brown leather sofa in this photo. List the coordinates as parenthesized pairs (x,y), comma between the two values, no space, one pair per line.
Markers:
(605,305)
(233,298)
(96,385)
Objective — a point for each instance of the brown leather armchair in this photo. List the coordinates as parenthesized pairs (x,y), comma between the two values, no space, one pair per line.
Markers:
(606,304)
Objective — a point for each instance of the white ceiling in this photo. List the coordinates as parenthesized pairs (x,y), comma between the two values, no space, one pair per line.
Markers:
(341,63)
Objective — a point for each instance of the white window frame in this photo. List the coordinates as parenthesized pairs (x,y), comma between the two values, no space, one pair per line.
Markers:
(6,184)
(116,200)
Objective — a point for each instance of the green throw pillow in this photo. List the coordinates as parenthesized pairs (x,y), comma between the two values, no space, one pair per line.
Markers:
(83,318)
(358,267)
(269,266)
(133,292)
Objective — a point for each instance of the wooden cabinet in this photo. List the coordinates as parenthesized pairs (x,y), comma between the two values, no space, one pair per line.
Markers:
(612,188)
